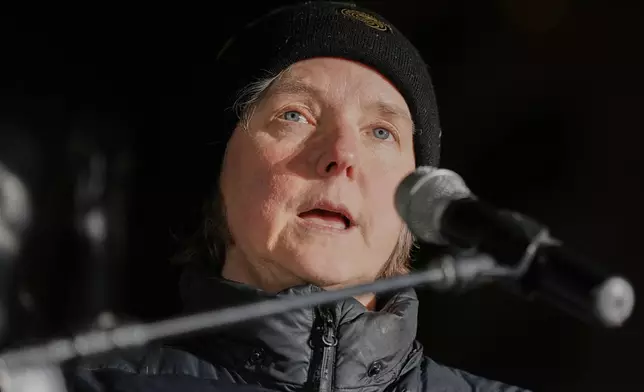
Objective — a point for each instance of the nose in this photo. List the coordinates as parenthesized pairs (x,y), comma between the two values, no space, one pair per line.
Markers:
(339,153)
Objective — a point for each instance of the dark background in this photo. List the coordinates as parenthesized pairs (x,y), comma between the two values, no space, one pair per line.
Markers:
(540,105)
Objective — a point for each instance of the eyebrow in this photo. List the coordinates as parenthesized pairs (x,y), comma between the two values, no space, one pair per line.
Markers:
(294,87)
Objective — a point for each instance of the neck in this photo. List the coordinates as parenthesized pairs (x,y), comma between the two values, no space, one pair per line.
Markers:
(368,300)
(271,277)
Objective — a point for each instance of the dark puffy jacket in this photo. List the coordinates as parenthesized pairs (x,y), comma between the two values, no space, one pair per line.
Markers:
(341,347)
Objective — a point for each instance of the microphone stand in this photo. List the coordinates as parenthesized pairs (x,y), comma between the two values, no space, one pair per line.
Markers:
(443,274)
(448,272)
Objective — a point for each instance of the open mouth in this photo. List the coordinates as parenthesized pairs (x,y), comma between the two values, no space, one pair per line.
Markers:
(331,219)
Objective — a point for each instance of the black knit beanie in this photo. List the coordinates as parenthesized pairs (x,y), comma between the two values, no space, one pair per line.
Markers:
(328,29)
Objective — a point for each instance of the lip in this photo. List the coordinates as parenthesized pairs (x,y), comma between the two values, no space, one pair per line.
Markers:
(309,225)
(331,207)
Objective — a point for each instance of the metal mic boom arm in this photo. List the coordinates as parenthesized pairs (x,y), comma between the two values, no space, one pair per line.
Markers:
(445,273)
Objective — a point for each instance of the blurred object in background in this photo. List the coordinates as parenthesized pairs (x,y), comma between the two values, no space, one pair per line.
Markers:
(44,379)
(64,177)
(15,217)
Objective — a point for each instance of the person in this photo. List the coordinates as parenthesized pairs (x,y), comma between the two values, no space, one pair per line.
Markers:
(325,107)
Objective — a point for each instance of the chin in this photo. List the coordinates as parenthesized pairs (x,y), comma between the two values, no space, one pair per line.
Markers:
(333,271)
(327,259)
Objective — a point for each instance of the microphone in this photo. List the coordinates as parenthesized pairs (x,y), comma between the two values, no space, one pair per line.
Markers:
(439,208)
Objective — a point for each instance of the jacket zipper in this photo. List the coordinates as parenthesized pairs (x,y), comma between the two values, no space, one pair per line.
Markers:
(329,342)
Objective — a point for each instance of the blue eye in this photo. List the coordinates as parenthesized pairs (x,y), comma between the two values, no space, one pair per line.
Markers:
(381,133)
(293,115)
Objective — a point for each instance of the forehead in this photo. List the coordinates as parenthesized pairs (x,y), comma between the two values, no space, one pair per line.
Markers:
(340,80)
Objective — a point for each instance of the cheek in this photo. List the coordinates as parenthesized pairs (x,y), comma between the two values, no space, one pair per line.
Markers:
(253,186)
(386,220)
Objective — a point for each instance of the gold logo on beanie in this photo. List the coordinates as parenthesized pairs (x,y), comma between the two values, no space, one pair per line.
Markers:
(367,19)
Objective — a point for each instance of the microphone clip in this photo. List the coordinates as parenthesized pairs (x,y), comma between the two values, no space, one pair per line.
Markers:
(466,269)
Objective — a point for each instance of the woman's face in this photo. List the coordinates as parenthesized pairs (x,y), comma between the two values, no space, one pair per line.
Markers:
(308,186)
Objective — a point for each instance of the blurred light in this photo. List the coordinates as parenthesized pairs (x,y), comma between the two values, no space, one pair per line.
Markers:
(15,210)
(95,225)
(45,379)
(8,242)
